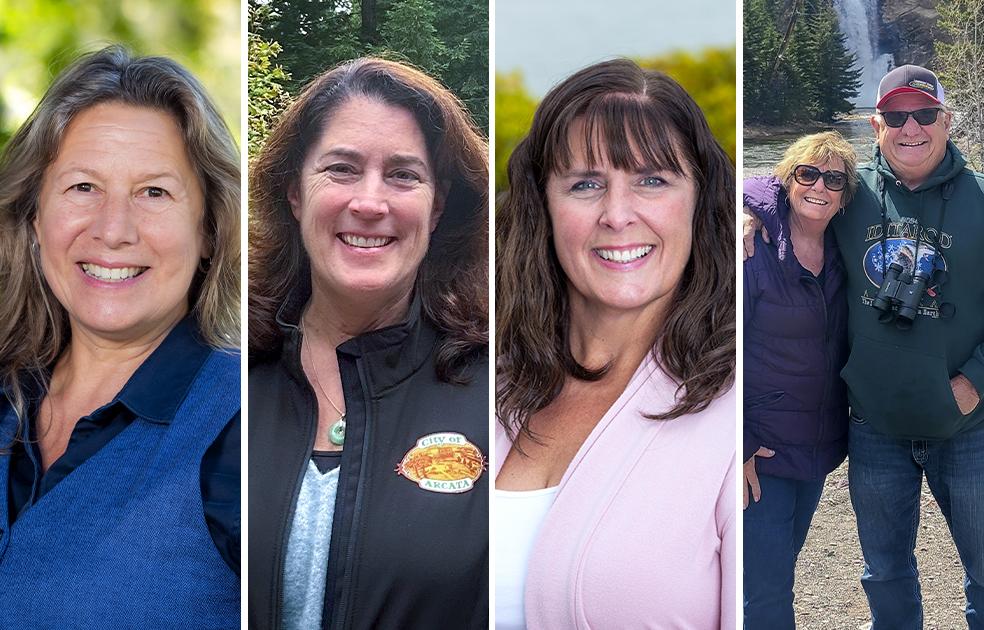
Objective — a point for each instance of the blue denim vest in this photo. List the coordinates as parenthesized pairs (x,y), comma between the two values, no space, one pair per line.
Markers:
(122,541)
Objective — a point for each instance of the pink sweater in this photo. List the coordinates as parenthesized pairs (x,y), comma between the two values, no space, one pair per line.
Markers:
(642,533)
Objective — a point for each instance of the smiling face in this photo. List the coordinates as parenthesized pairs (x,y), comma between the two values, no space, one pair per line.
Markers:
(622,238)
(912,150)
(816,202)
(119,222)
(365,201)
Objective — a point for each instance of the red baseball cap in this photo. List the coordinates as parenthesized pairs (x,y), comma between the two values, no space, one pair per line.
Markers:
(909,79)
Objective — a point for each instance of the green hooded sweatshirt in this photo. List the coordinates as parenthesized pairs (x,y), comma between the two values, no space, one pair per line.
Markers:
(899,380)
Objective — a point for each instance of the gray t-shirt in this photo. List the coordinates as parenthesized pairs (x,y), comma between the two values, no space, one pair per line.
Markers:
(306,566)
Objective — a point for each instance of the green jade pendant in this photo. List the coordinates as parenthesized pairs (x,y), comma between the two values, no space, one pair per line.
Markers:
(337,432)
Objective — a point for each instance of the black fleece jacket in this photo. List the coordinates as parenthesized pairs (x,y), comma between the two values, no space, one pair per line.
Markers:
(401,556)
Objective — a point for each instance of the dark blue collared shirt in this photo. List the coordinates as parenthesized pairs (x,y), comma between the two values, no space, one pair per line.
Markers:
(154,393)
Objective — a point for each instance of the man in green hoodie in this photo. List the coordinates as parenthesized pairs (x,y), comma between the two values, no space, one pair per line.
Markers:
(912,241)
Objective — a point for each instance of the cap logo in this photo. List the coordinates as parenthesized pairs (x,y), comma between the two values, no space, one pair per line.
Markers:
(919,84)
(443,462)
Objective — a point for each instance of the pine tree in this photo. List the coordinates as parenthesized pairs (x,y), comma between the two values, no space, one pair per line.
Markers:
(760,46)
(409,28)
(315,35)
(448,40)
(464,27)
(796,54)
(837,79)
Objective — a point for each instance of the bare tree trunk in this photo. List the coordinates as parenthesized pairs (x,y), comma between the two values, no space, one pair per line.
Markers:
(961,65)
(785,40)
(369,21)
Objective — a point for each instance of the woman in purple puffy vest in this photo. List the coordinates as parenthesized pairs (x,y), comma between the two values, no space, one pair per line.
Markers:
(795,329)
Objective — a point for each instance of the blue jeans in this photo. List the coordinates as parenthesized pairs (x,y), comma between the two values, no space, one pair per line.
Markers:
(886,476)
(774,532)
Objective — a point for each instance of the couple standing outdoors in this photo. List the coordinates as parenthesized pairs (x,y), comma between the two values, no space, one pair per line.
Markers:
(888,297)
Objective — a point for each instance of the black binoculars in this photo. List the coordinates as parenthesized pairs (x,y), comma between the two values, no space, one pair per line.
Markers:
(899,295)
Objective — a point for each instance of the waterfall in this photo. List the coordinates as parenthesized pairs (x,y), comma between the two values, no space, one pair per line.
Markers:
(859,22)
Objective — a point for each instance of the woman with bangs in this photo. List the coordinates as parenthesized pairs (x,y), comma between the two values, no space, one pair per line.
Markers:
(615,355)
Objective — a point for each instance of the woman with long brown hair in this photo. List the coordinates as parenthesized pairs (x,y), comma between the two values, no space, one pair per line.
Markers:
(368,358)
(615,352)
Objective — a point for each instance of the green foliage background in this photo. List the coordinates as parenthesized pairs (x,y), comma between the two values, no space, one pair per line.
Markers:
(292,41)
(709,76)
(960,63)
(39,38)
(796,66)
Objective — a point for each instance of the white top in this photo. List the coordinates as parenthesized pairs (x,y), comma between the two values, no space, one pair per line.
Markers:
(518,516)
(642,532)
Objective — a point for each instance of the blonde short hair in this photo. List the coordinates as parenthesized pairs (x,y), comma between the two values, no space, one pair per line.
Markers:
(820,148)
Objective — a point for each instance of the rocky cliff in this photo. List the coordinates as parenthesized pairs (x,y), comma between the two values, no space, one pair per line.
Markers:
(909,29)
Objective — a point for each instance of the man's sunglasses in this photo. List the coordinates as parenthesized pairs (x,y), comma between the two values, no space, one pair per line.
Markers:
(808,175)
(926,116)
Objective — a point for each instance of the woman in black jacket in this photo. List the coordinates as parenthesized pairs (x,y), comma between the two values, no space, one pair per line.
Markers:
(368,351)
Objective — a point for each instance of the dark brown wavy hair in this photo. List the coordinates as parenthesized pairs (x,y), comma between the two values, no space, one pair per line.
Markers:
(634,119)
(453,278)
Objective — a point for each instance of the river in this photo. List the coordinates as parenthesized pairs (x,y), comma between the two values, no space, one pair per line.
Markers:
(760,155)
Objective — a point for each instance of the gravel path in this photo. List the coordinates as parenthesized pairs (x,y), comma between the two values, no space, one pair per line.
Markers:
(828,590)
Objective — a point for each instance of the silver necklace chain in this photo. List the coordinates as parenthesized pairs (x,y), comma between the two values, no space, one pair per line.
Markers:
(337,431)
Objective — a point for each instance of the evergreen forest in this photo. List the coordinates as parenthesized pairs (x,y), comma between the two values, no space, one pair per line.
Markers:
(797,67)
(292,41)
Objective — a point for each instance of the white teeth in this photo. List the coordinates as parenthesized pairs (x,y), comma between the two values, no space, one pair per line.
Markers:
(814,200)
(624,255)
(362,241)
(115,274)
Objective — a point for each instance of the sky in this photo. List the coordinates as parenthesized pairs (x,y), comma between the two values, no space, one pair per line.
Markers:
(549,39)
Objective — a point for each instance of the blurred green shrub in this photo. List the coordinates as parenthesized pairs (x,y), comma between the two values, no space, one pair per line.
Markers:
(709,76)
(39,38)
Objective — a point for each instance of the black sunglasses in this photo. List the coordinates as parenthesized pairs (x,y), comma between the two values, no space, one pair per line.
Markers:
(808,175)
(925,116)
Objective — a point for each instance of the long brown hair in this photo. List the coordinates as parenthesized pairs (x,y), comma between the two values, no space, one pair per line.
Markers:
(633,118)
(453,278)
(34,327)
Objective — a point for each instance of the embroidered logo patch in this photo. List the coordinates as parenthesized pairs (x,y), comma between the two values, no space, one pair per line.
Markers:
(922,85)
(443,462)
